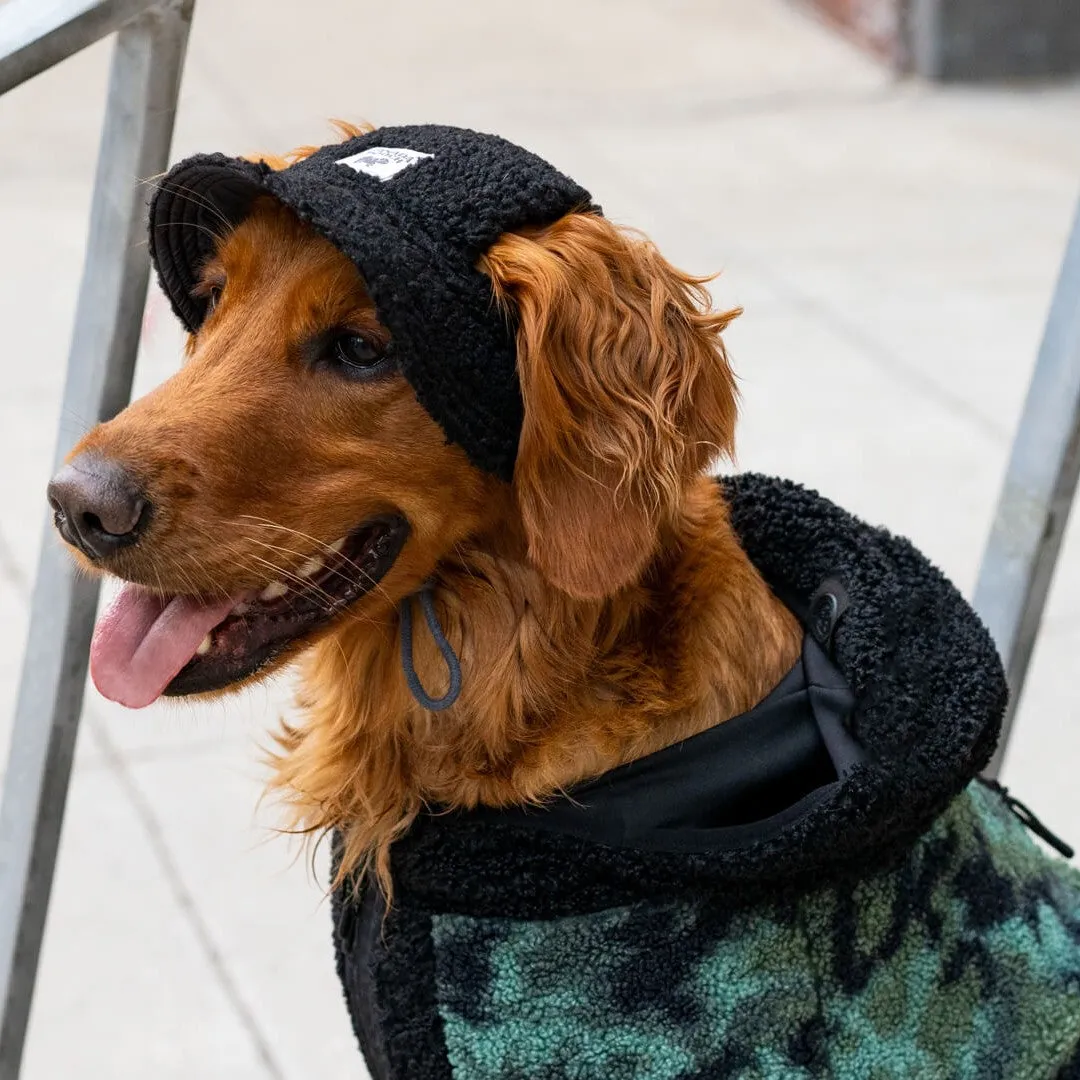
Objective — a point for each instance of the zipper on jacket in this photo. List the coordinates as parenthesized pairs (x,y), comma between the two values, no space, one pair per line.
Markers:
(1023,814)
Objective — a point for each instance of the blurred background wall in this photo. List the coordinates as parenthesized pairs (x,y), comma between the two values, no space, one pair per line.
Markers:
(958,40)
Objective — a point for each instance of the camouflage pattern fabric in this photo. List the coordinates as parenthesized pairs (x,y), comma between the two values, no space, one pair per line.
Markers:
(960,963)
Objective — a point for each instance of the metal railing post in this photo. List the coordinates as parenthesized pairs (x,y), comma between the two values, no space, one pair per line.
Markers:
(142,95)
(1039,487)
(36,34)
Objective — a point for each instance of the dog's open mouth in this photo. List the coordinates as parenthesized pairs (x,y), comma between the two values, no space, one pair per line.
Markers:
(146,645)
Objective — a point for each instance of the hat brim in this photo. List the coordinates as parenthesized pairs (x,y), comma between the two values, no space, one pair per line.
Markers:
(196,203)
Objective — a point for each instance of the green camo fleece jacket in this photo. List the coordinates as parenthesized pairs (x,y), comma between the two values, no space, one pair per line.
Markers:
(819,888)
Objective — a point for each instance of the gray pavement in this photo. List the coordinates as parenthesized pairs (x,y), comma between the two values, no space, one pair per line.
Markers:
(894,246)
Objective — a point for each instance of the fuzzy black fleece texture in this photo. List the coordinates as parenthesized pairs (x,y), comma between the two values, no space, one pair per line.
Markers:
(415,236)
(929,696)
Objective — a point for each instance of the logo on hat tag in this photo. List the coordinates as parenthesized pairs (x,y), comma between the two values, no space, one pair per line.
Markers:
(383,162)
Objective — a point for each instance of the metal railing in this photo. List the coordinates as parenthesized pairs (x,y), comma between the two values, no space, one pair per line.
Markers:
(143,86)
(1040,484)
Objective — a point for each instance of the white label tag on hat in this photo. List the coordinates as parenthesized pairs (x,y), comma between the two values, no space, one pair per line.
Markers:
(383,162)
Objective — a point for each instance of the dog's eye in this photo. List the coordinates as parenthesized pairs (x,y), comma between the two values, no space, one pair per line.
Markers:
(213,297)
(356,355)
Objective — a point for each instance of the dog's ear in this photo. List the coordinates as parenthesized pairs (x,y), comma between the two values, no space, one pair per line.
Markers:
(627,390)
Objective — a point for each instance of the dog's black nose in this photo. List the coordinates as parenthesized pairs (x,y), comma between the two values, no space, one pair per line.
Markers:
(98,507)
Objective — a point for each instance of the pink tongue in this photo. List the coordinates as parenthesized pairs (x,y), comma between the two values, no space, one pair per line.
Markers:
(142,641)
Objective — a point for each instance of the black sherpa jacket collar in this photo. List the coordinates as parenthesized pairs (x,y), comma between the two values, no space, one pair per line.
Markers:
(927,697)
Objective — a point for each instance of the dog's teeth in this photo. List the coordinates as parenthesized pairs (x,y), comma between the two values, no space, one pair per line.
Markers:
(312,566)
(241,609)
(204,646)
(274,591)
(338,546)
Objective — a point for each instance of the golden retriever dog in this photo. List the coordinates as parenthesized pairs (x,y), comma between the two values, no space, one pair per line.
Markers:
(629,772)
(600,603)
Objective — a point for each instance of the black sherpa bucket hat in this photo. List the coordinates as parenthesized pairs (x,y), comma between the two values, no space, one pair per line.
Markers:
(414,208)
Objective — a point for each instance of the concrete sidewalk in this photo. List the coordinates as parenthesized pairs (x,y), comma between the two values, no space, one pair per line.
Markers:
(894,247)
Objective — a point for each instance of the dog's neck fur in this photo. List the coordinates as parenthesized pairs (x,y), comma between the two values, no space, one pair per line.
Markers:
(555,689)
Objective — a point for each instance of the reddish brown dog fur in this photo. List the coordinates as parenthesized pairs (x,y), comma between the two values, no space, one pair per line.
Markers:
(600,604)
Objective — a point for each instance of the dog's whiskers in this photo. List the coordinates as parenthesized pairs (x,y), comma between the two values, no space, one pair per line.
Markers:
(309,587)
(375,585)
(299,578)
(349,612)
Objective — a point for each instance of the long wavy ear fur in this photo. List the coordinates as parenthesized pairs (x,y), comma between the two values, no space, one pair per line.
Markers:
(627,390)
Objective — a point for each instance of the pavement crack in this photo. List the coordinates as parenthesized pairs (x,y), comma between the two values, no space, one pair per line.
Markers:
(183,895)
(114,761)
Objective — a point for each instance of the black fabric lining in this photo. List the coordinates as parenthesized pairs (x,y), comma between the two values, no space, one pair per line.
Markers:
(390,992)
(734,784)
(364,937)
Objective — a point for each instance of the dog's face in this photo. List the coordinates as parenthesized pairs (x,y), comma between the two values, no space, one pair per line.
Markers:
(286,474)
(286,482)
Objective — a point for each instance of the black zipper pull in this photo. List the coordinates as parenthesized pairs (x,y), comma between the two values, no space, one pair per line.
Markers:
(1023,814)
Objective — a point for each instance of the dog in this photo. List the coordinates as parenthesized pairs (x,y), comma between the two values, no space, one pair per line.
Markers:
(599,616)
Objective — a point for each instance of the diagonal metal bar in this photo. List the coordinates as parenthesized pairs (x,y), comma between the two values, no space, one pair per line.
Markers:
(35,34)
(1040,483)
(143,88)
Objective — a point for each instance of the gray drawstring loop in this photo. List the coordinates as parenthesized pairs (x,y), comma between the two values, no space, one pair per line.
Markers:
(453,664)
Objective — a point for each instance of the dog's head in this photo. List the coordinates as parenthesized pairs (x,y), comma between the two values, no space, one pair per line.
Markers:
(287,478)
